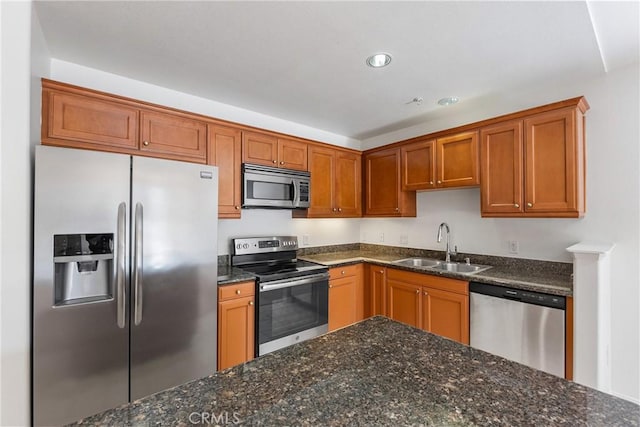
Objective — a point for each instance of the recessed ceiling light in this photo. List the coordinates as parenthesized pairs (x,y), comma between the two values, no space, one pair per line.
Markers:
(379,60)
(448,101)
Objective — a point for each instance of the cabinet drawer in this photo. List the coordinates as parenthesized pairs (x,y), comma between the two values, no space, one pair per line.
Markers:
(345,271)
(238,290)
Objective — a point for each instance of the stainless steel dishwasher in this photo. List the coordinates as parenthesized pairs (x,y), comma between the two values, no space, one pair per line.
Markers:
(524,326)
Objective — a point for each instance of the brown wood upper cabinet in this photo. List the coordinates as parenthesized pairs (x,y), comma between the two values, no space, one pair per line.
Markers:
(173,136)
(224,151)
(383,190)
(336,181)
(534,166)
(82,118)
(445,162)
(269,150)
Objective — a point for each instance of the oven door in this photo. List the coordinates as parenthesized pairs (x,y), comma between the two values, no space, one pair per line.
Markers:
(291,310)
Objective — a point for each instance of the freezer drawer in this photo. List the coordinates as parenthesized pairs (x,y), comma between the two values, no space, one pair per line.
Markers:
(528,333)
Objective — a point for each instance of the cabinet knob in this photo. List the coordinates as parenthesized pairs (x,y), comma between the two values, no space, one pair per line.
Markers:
(339,209)
(381,271)
(145,143)
(237,208)
(397,209)
(439,182)
(430,182)
(417,291)
(342,272)
(274,161)
(250,302)
(516,205)
(529,205)
(426,293)
(237,291)
(334,209)
(331,286)
(282,163)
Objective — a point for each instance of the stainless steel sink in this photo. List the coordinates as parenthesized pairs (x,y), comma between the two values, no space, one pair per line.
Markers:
(434,264)
(418,262)
(456,267)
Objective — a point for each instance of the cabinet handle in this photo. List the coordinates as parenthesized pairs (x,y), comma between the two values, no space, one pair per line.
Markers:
(516,205)
(237,208)
(250,302)
(237,291)
(439,182)
(529,205)
(274,161)
(145,143)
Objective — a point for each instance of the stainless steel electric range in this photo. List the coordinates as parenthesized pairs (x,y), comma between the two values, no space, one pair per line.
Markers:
(292,295)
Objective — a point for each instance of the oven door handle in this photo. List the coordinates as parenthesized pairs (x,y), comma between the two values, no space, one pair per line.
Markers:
(289,283)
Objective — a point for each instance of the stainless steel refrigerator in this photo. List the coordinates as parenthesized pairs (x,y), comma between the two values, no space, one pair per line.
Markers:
(125,279)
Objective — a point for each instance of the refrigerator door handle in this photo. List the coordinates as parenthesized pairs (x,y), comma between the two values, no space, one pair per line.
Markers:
(137,266)
(120,265)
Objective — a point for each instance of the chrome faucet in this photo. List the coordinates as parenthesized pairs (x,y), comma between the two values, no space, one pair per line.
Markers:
(449,252)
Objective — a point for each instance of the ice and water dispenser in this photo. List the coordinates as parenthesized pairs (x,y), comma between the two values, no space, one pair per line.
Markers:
(83,268)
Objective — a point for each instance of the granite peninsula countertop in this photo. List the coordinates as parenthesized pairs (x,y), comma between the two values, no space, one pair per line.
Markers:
(377,372)
(541,276)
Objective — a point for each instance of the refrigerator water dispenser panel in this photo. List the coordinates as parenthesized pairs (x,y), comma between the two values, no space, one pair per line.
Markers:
(83,268)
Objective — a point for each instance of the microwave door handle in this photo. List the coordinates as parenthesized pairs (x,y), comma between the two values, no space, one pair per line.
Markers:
(294,184)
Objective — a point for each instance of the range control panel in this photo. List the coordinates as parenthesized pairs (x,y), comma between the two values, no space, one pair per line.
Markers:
(257,245)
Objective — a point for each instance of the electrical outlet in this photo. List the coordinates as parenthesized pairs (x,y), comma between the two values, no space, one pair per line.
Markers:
(381,237)
(404,239)
(514,246)
(305,240)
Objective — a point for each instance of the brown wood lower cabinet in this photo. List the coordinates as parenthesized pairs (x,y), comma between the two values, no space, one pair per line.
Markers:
(236,315)
(435,304)
(346,296)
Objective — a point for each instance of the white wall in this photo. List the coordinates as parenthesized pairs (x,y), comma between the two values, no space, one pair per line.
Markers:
(23,55)
(613,206)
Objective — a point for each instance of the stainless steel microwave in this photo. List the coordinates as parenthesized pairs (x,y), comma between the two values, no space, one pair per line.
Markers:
(268,187)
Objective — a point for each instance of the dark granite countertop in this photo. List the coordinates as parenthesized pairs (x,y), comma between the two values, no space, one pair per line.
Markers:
(228,275)
(542,276)
(377,372)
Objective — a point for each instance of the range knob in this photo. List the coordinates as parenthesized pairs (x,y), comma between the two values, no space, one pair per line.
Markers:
(245,246)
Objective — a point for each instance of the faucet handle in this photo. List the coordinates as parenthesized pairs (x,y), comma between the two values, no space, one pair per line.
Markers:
(455,250)
(467,261)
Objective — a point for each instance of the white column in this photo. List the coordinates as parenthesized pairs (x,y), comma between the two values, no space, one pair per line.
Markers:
(592,315)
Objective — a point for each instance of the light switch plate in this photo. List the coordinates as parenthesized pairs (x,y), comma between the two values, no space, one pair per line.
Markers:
(305,240)
(514,246)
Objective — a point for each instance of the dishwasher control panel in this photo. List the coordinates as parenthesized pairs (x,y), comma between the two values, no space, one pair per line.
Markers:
(530,297)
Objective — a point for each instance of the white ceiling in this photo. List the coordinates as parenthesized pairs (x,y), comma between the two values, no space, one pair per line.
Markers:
(305,61)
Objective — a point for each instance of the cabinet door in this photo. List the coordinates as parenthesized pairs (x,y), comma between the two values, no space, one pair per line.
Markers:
(225,152)
(501,160)
(75,120)
(292,154)
(323,176)
(375,294)
(403,302)
(259,149)
(235,331)
(419,165)
(173,136)
(382,182)
(348,183)
(551,162)
(343,299)
(446,314)
(457,160)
